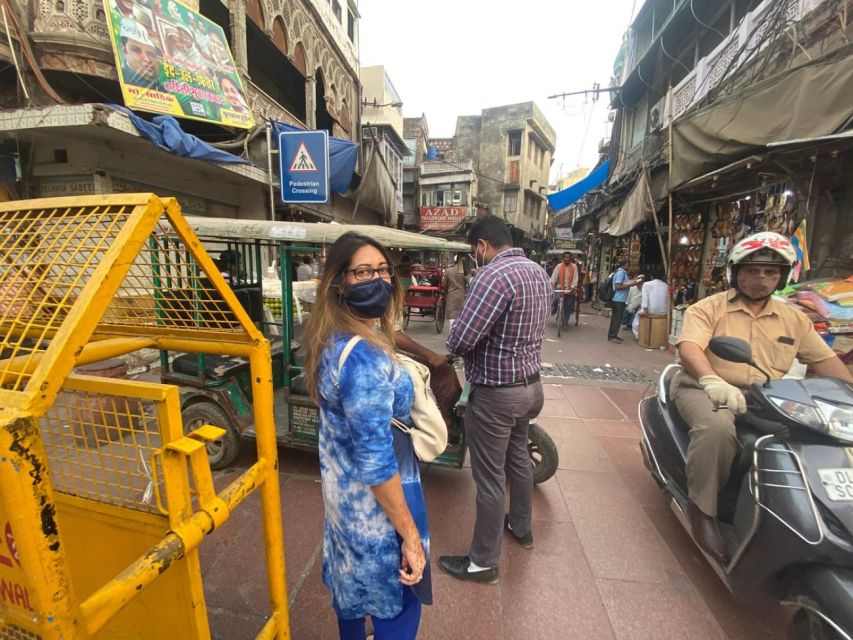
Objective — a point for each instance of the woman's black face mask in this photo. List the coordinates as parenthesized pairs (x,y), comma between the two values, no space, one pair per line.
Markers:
(370,298)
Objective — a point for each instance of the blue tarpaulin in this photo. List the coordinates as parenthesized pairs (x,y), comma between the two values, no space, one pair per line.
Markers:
(569,196)
(166,133)
(342,157)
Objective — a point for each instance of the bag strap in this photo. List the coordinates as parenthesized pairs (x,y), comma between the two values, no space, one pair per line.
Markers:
(345,353)
(343,358)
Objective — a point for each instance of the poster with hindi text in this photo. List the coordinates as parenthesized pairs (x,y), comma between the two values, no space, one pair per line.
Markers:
(174,61)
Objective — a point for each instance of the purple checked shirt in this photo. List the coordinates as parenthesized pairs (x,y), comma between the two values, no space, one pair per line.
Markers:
(500,328)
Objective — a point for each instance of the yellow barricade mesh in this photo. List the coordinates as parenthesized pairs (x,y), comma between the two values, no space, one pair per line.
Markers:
(14,632)
(49,256)
(102,447)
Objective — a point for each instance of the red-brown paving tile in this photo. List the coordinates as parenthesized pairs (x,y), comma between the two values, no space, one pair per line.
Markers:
(671,610)
(557,408)
(578,449)
(549,591)
(739,621)
(462,610)
(590,402)
(625,455)
(613,428)
(618,539)
(235,578)
(231,625)
(552,391)
(626,399)
(311,613)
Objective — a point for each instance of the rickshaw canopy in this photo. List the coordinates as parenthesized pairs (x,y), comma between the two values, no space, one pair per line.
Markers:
(316,233)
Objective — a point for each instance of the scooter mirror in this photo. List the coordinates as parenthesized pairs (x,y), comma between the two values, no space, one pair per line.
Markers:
(731,349)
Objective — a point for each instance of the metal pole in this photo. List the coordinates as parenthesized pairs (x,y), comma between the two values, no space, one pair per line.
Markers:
(669,199)
(270,170)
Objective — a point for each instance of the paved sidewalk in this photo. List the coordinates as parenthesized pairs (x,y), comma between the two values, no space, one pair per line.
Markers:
(609,561)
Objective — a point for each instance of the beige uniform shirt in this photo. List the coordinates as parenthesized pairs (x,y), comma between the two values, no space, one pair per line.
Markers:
(777,335)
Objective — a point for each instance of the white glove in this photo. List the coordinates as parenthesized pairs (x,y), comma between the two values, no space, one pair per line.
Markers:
(723,393)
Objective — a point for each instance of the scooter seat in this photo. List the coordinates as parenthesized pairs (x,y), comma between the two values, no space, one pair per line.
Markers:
(216,367)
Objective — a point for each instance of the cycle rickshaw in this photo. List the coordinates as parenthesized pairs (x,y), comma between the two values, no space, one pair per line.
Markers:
(426,297)
(217,390)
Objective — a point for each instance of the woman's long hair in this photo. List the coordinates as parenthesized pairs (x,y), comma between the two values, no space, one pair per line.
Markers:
(331,314)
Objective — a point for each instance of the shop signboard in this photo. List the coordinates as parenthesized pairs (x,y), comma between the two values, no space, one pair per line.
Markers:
(566,244)
(441,218)
(304,166)
(563,233)
(174,61)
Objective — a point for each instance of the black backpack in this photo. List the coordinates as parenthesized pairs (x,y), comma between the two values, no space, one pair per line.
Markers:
(605,289)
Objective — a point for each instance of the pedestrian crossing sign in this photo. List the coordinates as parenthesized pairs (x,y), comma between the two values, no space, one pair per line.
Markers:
(302,161)
(304,166)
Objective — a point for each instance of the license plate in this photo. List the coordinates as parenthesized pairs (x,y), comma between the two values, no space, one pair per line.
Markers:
(838,483)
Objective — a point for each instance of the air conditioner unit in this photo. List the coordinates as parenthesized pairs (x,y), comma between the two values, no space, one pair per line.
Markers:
(604,145)
(611,116)
(657,115)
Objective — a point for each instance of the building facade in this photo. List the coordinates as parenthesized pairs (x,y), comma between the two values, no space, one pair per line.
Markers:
(416,137)
(382,122)
(511,149)
(298,63)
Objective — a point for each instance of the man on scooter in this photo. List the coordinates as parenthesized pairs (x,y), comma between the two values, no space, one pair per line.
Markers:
(756,267)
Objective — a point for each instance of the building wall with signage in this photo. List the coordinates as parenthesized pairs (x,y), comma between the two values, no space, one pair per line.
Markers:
(89,168)
(297,61)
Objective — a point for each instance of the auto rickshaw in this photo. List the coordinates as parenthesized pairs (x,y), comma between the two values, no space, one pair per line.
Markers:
(216,389)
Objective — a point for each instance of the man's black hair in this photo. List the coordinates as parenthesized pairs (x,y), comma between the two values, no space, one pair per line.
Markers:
(306,259)
(491,229)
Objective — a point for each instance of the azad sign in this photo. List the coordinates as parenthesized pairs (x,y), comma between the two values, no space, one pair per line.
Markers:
(304,163)
(441,218)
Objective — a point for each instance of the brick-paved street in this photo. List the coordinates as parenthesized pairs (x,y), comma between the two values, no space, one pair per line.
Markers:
(609,561)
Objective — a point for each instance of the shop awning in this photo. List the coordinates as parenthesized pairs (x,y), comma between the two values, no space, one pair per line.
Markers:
(751,119)
(572,194)
(636,209)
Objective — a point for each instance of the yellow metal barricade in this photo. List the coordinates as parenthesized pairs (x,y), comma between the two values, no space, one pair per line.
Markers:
(104,500)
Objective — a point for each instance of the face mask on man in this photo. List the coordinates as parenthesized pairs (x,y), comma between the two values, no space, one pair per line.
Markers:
(370,298)
(476,257)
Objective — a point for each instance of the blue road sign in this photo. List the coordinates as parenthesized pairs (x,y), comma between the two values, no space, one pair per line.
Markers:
(304,166)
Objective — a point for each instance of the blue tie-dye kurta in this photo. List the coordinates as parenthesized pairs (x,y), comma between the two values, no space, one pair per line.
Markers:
(359,448)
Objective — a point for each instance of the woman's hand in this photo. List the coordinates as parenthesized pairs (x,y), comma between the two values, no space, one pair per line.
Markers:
(413,562)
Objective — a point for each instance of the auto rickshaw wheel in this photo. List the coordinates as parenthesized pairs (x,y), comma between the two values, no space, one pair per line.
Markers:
(222,452)
(543,453)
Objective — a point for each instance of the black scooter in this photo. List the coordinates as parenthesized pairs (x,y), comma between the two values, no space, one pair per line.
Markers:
(787,510)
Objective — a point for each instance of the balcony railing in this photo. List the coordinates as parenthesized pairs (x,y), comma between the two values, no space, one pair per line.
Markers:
(734,51)
(429,167)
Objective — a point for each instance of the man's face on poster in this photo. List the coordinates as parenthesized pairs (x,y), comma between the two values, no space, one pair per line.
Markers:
(142,59)
(125,6)
(232,95)
(186,38)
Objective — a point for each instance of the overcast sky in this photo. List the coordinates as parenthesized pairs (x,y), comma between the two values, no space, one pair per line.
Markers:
(455,57)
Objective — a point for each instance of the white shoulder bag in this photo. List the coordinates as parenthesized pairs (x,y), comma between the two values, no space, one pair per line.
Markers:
(429,431)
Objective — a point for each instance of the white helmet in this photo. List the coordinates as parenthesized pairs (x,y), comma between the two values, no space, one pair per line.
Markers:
(766,247)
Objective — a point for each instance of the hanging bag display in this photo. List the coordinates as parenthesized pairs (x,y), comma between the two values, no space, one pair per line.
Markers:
(428,430)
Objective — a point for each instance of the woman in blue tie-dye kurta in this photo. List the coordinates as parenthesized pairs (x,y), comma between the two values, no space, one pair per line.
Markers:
(376,539)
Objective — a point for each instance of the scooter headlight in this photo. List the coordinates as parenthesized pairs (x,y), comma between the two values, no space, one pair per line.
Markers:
(804,414)
(832,419)
(838,419)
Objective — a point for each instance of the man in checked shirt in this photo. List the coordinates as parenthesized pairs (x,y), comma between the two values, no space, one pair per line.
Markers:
(499,333)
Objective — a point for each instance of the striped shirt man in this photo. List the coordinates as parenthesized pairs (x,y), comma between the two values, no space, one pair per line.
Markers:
(500,328)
